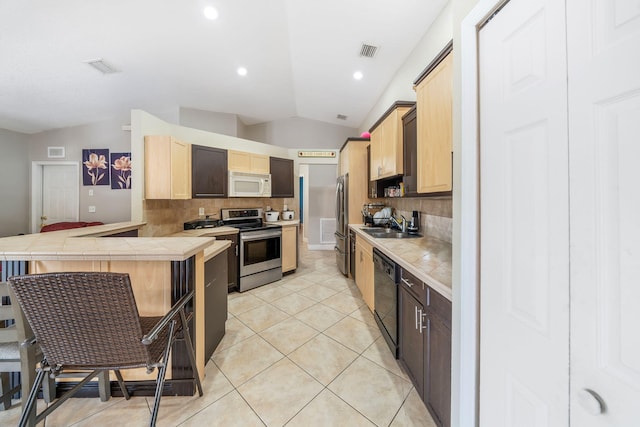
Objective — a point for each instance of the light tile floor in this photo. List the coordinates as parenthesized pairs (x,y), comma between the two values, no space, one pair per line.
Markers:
(304,351)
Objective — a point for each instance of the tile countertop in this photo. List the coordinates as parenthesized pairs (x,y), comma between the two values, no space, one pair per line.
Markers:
(427,258)
(213,249)
(87,243)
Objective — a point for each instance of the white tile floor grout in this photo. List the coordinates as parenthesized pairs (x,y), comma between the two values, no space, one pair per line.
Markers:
(303,351)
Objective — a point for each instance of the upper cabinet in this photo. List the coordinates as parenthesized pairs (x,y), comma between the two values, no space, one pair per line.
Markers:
(353,161)
(281,177)
(167,168)
(409,137)
(209,172)
(248,162)
(386,142)
(434,90)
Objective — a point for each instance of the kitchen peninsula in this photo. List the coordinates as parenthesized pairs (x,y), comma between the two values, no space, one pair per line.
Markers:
(162,269)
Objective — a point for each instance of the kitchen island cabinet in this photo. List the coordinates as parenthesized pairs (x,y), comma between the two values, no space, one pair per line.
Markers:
(162,269)
(233,262)
(167,168)
(215,304)
(209,172)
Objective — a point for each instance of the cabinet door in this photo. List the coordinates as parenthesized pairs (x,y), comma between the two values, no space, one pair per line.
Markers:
(215,294)
(289,248)
(375,163)
(260,163)
(180,170)
(248,162)
(438,381)
(411,339)
(434,100)
(281,177)
(368,271)
(209,172)
(233,262)
(409,138)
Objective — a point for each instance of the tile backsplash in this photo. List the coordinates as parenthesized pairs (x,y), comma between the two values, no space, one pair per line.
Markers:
(165,217)
(435,214)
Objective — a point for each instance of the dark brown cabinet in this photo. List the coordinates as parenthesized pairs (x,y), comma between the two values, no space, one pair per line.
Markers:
(215,302)
(208,172)
(425,344)
(281,177)
(410,141)
(233,262)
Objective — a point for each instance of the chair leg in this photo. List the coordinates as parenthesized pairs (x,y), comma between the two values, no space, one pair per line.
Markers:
(28,407)
(161,373)
(5,400)
(125,392)
(192,354)
(49,388)
(104,386)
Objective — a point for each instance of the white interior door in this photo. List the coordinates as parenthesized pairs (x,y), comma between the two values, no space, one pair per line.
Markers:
(524,274)
(60,198)
(604,132)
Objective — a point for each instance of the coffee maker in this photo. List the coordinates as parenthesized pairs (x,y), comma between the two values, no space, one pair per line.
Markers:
(414,224)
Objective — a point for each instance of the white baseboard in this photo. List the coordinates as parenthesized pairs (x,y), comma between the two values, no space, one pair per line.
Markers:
(320,247)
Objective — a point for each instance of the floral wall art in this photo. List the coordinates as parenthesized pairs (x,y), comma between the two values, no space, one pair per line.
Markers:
(96,169)
(120,171)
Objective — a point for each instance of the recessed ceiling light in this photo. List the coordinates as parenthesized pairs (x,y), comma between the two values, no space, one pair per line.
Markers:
(242,71)
(358,75)
(210,13)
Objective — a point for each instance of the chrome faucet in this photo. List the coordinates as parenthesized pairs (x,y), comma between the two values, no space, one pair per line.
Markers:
(402,225)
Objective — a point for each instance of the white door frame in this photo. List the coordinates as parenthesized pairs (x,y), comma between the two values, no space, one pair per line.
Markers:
(465,293)
(36,189)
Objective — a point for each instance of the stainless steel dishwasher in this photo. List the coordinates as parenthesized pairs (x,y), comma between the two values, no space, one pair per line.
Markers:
(386,299)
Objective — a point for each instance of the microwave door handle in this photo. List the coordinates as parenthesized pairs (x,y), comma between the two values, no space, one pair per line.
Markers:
(261,188)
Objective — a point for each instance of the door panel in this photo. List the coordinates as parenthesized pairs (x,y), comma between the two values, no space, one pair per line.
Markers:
(59,193)
(604,124)
(524,325)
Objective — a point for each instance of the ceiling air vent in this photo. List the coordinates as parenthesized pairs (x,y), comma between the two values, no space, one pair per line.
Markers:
(341,117)
(368,50)
(101,66)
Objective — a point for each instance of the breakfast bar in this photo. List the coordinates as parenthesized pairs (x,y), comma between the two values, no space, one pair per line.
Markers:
(162,269)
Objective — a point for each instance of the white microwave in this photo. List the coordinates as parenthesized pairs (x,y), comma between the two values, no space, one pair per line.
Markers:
(245,184)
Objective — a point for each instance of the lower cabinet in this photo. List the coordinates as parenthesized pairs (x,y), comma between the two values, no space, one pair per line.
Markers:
(425,344)
(215,303)
(364,271)
(233,261)
(289,248)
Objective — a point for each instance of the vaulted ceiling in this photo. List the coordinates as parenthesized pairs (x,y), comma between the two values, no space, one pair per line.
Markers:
(300,57)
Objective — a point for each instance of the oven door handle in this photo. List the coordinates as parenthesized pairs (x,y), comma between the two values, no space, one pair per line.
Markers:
(259,236)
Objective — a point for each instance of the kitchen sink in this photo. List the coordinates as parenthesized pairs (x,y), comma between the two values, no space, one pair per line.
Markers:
(388,233)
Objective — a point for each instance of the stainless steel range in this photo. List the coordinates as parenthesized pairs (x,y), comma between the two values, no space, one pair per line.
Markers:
(260,247)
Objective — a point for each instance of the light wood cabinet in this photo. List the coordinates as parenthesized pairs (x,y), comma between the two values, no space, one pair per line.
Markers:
(364,271)
(353,161)
(289,248)
(167,168)
(387,152)
(434,126)
(248,162)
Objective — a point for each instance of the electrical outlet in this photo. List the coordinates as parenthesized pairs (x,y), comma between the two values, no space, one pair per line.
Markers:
(92,209)
(200,211)
(91,193)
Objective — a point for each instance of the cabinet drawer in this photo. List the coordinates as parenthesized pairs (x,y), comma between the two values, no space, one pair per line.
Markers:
(439,306)
(414,285)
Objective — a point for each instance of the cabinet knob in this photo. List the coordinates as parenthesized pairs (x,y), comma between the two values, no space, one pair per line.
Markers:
(591,401)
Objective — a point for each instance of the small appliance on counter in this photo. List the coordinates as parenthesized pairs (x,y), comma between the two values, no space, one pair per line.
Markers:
(272,216)
(414,224)
(287,215)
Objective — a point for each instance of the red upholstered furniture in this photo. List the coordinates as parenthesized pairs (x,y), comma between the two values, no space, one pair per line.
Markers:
(67,225)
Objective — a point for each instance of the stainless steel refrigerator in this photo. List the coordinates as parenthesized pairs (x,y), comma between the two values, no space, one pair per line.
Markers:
(342,224)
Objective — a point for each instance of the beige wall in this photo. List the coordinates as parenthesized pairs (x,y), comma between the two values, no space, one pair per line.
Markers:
(14,184)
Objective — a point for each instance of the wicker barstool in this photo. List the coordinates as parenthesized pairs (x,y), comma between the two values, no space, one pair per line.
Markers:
(90,321)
